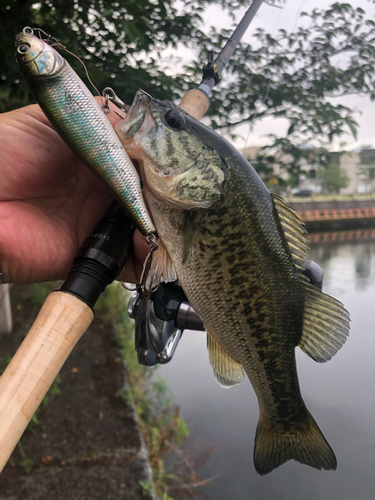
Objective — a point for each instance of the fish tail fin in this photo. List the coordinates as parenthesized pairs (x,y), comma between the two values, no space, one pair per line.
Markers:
(303,442)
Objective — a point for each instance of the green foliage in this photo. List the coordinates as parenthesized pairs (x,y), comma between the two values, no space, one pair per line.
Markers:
(161,424)
(26,463)
(333,178)
(287,75)
(294,76)
(114,39)
(160,419)
(39,292)
(4,363)
(54,390)
(147,488)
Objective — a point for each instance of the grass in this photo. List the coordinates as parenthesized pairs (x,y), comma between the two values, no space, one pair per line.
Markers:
(162,426)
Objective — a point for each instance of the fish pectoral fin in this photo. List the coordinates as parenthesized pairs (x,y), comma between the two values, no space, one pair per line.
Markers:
(161,269)
(187,239)
(227,371)
(303,442)
(325,325)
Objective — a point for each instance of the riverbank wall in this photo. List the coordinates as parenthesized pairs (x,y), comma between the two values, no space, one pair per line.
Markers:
(333,215)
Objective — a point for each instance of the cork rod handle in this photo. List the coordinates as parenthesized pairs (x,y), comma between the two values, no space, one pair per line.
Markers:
(195,103)
(61,322)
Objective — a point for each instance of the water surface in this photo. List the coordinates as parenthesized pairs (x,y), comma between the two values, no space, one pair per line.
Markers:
(340,395)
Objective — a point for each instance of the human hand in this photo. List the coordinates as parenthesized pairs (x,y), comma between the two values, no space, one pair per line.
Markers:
(49,201)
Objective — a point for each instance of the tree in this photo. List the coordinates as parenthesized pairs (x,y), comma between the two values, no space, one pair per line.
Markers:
(291,75)
(333,178)
(295,76)
(119,41)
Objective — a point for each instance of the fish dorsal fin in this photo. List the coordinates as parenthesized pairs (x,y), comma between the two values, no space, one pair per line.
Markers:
(293,230)
(325,325)
(227,372)
(161,268)
(325,320)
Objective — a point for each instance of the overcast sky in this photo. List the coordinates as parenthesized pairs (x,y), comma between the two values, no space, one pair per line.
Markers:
(272,19)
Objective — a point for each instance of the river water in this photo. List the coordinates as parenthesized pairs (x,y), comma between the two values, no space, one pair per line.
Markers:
(340,395)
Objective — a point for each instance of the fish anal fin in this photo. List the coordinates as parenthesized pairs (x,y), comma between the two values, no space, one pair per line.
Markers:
(303,442)
(227,371)
(161,269)
(326,325)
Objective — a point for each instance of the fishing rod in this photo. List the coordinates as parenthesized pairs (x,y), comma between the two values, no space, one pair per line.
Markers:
(66,314)
(197,101)
(62,320)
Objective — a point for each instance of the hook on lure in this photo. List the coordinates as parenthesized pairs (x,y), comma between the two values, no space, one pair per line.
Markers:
(50,39)
(142,286)
(109,95)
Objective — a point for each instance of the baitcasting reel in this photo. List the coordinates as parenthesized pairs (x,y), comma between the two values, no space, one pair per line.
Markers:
(162,316)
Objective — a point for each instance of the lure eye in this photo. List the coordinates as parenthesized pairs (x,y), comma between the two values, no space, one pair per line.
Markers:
(22,49)
(174,119)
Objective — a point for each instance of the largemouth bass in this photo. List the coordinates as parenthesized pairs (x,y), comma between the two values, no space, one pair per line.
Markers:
(237,251)
(80,121)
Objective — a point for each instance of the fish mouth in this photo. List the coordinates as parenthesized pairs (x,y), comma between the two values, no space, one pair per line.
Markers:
(136,115)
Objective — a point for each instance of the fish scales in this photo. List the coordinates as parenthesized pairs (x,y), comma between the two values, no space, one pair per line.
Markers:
(80,121)
(235,311)
(223,234)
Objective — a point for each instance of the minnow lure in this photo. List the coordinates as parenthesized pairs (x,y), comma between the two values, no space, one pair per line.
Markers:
(80,121)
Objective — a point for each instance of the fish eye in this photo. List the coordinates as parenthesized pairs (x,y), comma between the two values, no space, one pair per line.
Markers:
(174,119)
(22,49)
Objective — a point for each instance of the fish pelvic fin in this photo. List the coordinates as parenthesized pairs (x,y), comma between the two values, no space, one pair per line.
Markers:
(227,371)
(161,269)
(304,443)
(326,325)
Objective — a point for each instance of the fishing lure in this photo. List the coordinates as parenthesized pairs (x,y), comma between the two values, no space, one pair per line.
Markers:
(80,121)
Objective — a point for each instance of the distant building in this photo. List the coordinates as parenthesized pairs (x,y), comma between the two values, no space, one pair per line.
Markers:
(359,166)
(350,163)
(366,171)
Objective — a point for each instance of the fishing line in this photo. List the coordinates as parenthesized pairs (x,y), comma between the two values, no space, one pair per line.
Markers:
(83,64)
(106,108)
(298,11)
(269,78)
(53,42)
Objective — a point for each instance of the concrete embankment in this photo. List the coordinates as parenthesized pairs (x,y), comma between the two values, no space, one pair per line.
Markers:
(333,215)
